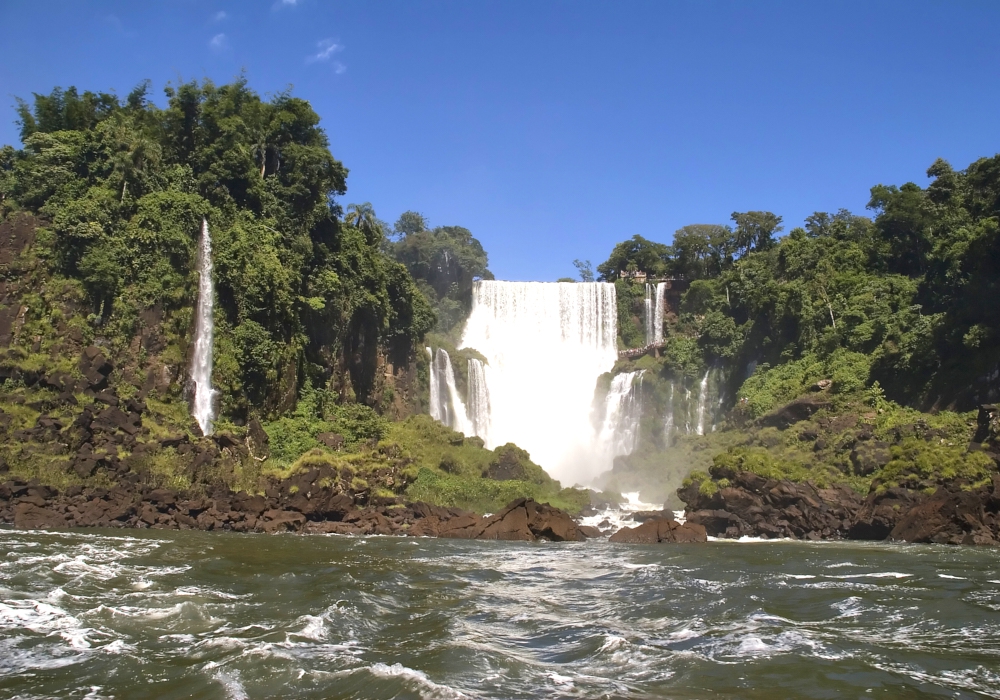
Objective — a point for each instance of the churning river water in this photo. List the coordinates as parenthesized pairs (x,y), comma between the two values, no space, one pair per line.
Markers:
(107,614)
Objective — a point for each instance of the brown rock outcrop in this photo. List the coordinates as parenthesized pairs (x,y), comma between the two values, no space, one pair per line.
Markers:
(661,529)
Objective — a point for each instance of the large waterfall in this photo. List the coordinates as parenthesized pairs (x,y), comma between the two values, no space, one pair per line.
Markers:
(545,345)
(201,363)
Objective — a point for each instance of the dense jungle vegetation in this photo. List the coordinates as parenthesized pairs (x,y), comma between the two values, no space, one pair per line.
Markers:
(319,315)
(897,312)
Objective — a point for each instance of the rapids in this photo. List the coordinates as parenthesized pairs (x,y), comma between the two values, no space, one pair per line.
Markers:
(107,614)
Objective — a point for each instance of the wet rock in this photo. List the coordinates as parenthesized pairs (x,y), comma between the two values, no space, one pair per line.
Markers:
(947,517)
(29,516)
(334,441)
(795,411)
(869,456)
(757,507)
(661,529)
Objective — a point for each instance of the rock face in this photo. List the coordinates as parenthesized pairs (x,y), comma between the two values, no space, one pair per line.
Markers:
(754,506)
(302,503)
(757,507)
(661,529)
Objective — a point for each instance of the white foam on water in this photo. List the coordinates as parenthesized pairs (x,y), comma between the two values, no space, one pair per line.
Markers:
(560,680)
(752,646)
(315,628)
(878,574)
(230,682)
(42,618)
(428,688)
(118,647)
(799,576)
(956,578)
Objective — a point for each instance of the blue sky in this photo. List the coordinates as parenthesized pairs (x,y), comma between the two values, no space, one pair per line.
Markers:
(554,129)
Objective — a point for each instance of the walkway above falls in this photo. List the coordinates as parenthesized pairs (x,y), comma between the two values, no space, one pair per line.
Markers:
(632,353)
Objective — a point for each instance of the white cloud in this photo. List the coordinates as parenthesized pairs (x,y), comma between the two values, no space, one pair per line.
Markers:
(324,51)
(219,16)
(289,2)
(219,42)
(339,67)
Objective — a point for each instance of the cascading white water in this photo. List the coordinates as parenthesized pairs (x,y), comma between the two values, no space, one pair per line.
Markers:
(702,403)
(446,404)
(668,421)
(435,389)
(478,399)
(545,344)
(622,412)
(658,311)
(649,314)
(456,417)
(203,408)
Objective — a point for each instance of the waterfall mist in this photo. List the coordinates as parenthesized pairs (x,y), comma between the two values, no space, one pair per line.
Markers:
(545,344)
(203,408)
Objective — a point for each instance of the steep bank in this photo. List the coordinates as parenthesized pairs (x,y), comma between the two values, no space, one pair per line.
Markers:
(933,480)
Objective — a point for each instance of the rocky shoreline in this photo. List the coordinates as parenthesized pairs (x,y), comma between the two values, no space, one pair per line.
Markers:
(300,504)
(752,506)
(747,506)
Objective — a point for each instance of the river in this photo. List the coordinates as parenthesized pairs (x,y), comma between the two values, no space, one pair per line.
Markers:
(130,614)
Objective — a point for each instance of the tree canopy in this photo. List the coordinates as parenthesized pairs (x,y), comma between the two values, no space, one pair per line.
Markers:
(125,185)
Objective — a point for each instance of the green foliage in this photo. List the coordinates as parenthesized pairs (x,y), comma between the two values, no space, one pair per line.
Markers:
(916,461)
(126,186)
(445,261)
(635,255)
(295,434)
(486,495)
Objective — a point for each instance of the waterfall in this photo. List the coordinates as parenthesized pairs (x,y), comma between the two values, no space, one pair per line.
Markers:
(668,422)
(456,416)
(623,410)
(702,403)
(446,403)
(649,315)
(435,389)
(203,409)
(545,345)
(478,400)
(659,308)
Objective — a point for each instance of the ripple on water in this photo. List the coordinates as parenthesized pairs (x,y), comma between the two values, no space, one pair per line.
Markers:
(378,617)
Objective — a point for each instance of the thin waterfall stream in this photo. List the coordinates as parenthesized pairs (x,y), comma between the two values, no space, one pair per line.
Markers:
(203,408)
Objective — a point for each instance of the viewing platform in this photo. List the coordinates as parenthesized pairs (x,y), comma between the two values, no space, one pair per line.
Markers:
(632,353)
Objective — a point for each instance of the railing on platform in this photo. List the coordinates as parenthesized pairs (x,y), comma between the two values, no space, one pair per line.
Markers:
(632,353)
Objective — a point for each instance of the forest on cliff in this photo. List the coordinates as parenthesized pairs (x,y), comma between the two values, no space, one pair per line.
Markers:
(318,318)
(852,351)
(906,298)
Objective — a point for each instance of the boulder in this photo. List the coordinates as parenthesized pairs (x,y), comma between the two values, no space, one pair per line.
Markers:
(28,516)
(661,529)
(526,520)
(947,517)
(795,411)
(281,521)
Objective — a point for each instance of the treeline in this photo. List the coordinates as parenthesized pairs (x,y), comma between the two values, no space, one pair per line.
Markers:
(907,298)
(307,295)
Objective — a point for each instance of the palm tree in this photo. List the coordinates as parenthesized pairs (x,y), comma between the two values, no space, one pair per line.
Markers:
(362,217)
(133,154)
